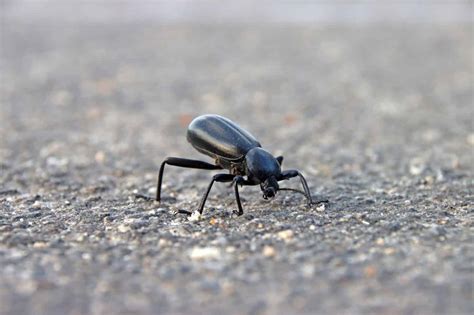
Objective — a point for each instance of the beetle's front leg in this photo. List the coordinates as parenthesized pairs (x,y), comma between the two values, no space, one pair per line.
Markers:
(293,173)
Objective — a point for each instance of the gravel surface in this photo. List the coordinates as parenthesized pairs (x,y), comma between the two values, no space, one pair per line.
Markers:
(379,118)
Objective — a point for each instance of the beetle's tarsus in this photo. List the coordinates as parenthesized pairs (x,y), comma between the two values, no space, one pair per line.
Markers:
(182,211)
(321,201)
(142,196)
(238,213)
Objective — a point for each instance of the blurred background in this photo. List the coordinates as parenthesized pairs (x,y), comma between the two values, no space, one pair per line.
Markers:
(372,100)
(213,12)
(362,65)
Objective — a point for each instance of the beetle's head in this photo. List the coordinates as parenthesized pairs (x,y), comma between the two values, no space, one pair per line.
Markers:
(265,169)
(269,187)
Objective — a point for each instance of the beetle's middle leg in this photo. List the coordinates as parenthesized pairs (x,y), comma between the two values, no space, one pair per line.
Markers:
(239,180)
(181,163)
(221,178)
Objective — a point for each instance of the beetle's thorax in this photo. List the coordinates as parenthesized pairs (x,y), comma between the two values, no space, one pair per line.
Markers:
(261,165)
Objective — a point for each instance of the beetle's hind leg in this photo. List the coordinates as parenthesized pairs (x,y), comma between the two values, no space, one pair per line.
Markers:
(180,162)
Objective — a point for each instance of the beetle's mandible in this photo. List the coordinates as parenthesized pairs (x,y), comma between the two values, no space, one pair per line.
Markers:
(236,150)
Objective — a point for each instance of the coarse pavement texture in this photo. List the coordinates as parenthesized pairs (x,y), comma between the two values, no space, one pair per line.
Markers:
(379,118)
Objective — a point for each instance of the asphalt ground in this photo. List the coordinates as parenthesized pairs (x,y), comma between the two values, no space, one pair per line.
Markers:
(378,117)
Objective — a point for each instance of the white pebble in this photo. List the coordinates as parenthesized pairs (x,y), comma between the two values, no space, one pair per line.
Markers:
(285,235)
(195,216)
(203,253)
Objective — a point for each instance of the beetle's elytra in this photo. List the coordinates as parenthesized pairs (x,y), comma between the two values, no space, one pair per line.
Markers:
(236,150)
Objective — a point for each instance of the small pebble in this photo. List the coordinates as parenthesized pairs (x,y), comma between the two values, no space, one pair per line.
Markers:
(389,251)
(285,235)
(122,228)
(230,249)
(163,242)
(195,216)
(268,251)
(470,139)
(321,207)
(100,157)
(370,271)
(204,253)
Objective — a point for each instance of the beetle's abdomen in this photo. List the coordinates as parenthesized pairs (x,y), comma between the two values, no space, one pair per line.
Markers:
(219,137)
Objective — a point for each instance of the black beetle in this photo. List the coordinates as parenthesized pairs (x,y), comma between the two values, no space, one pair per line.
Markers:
(236,150)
